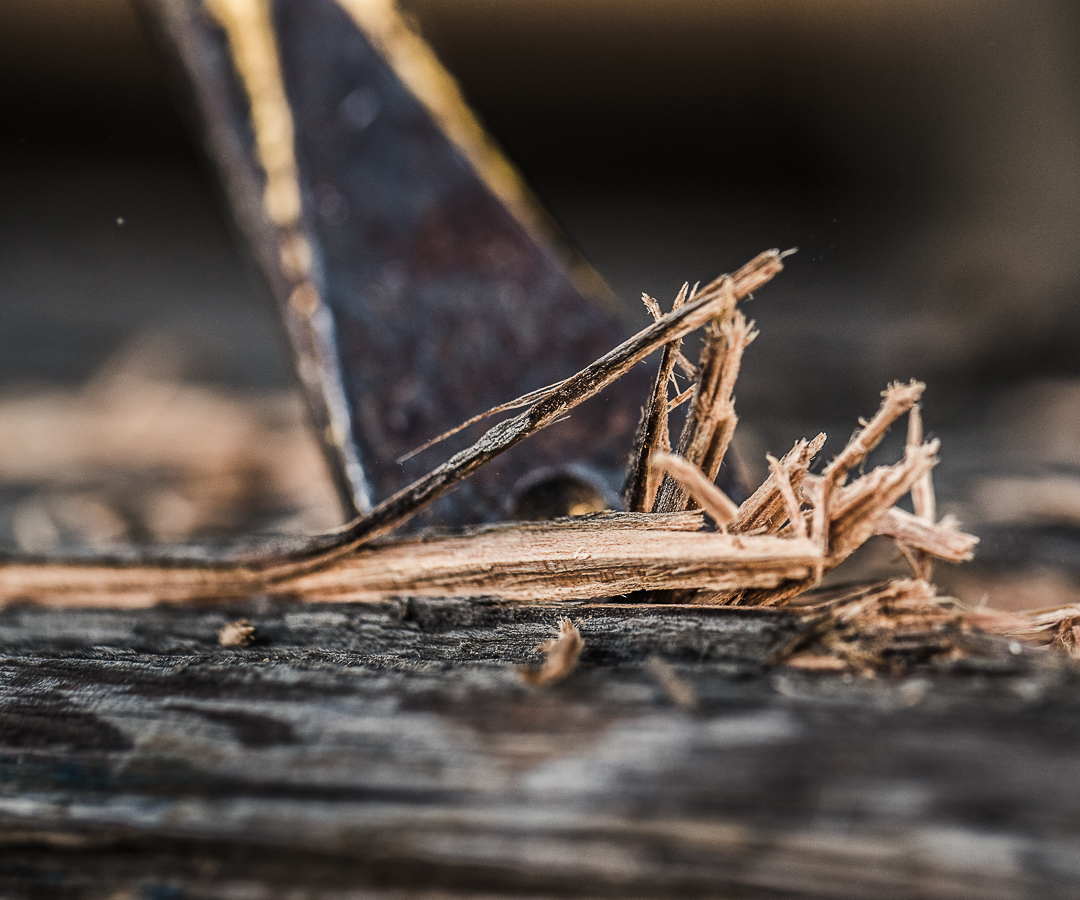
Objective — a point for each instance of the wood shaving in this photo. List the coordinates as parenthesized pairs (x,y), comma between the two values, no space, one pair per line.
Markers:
(1058,628)
(680,691)
(561,656)
(769,551)
(237,634)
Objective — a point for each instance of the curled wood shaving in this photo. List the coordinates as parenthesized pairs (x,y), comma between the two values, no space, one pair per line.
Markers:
(561,652)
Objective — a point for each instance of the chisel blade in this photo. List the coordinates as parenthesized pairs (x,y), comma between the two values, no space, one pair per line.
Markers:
(418,281)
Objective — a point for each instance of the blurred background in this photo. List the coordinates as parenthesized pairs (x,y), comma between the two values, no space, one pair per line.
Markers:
(924,157)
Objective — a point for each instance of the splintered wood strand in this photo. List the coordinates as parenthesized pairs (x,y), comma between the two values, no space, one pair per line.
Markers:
(559,564)
(680,399)
(922,492)
(939,540)
(922,499)
(765,509)
(642,482)
(714,440)
(672,496)
(896,400)
(853,520)
(639,492)
(718,447)
(787,494)
(711,499)
(581,558)
(517,403)
(652,306)
(688,368)
(942,540)
(710,423)
(738,335)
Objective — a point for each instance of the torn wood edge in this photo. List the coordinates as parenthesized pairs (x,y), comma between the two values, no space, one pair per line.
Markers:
(642,482)
(710,423)
(764,510)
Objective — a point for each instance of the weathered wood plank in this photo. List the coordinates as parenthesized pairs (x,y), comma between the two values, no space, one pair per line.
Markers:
(358,749)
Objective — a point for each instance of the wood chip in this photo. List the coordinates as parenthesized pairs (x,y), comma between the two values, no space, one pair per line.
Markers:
(680,691)
(237,634)
(561,652)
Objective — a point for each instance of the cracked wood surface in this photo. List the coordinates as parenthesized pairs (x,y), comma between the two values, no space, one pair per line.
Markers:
(393,748)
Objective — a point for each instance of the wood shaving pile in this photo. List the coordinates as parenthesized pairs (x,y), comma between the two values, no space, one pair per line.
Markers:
(767,551)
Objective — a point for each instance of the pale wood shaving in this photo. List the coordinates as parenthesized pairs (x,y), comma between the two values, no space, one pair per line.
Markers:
(714,501)
(236,634)
(787,494)
(922,499)
(584,557)
(562,653)
(680,691)
(765,509)
(922,492)
(711,422)
(944,540)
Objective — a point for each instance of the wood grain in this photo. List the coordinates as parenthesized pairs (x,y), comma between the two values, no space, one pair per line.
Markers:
(392,749)
(586,557)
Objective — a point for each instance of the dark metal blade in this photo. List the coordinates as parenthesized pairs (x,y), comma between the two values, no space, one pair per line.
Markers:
(418,283)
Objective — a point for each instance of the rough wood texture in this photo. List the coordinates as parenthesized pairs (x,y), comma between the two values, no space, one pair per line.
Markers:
(353,751)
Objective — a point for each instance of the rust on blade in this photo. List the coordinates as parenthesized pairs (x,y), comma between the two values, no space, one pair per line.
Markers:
(418,281)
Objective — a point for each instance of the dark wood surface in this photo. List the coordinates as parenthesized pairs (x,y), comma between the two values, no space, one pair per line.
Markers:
(393,750)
